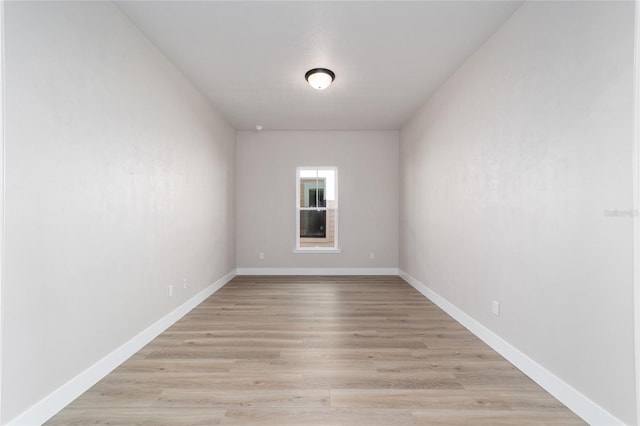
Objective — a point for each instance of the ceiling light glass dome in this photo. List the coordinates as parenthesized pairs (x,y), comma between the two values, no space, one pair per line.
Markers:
(320,78)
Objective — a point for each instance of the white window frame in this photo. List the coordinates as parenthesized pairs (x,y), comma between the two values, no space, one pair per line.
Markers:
(326,250)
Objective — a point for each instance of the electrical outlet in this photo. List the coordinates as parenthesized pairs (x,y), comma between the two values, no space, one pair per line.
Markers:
(170,291)
(261,255)
(495,308)
(185,284)
(372,255)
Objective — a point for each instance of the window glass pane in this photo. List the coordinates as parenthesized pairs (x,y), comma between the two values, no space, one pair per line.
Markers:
(313,224)
(312,192)
(317,228)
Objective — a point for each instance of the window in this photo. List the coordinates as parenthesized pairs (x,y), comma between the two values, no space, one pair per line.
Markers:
(317,209)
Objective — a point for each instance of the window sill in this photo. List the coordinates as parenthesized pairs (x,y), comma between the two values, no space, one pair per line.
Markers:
(316,250)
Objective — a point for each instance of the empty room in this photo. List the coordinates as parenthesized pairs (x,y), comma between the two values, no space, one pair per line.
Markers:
(320,213)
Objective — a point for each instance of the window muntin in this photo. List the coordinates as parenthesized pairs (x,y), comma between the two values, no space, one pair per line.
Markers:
(317,209)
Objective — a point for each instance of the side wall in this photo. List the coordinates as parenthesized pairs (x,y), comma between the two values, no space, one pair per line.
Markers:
(367,190)
(119,183)
(516,186)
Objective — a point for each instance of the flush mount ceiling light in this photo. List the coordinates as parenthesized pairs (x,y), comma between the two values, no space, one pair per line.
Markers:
(320,78)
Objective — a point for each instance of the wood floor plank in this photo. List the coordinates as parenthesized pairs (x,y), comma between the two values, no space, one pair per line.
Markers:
(284,398)
(140,417)
(381,380)
(316,351)
(137,365)
(318,417)
(494,418)
(417,398)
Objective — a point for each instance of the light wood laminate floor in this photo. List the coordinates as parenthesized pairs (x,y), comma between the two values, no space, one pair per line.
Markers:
(360,351)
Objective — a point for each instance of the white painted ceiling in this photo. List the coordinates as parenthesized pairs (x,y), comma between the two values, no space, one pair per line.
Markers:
(250,58)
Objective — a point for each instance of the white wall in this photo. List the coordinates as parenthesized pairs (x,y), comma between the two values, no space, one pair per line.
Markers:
(119,182)
(509,176)
(367,189)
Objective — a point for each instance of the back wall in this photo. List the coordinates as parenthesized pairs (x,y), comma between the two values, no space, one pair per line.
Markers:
(368,179)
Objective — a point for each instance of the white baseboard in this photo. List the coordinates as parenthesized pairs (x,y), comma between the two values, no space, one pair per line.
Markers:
(64,395)
(588,410)
(317,271)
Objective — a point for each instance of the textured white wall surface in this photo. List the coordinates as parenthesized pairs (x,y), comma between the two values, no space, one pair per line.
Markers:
(119,182)
(515,179)
(367,189)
